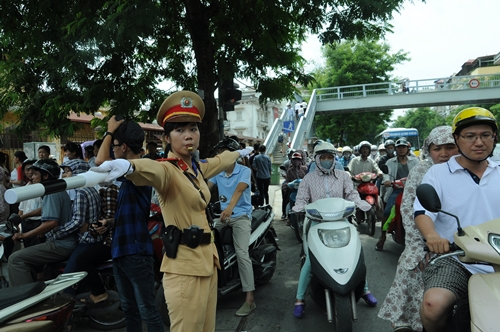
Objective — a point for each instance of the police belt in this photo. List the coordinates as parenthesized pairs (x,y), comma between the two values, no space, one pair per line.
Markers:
(207,238)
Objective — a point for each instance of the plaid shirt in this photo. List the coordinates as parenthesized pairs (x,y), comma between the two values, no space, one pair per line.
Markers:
(86,207)
(131,234)
(108,197)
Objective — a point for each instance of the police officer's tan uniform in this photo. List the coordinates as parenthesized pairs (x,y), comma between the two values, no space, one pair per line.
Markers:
(190,280)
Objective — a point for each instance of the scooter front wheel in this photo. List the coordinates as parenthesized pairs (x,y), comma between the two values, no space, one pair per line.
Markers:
(342,313)
(299,227)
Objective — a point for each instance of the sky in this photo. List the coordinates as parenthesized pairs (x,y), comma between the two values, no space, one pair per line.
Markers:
(440,35)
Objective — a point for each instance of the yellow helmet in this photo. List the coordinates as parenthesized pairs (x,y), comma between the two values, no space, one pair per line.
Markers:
(471,116)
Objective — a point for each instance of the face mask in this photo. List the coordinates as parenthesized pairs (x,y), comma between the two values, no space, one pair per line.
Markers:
(389,151)
(374,153)
(296,162)
(347,155)
(326,164)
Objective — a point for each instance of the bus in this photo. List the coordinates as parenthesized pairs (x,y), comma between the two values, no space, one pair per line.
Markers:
(411,135)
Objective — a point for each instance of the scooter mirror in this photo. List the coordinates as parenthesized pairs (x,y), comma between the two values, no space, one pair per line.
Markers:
(428,197)
(384,169)
(223,198)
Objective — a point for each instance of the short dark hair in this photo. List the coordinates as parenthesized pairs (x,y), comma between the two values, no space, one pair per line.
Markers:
(98,143)
(131,134)
(152,143)
(256,146)
(262,148)
(44,147)
(74,147)
(20,155)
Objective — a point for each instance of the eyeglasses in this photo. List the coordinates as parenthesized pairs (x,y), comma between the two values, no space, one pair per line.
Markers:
(471,138)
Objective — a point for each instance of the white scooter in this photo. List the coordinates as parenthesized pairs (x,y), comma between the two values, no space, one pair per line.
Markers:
(473,244)
(337,261)
(38,306)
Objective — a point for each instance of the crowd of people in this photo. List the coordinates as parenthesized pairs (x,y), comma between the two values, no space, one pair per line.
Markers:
(85,226)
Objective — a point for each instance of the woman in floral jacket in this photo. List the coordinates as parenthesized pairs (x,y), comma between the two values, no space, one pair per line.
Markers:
(402,304)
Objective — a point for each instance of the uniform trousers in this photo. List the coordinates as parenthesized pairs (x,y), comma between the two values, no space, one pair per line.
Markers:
(191,301)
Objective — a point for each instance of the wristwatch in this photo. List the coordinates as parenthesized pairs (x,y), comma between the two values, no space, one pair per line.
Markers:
(108,133)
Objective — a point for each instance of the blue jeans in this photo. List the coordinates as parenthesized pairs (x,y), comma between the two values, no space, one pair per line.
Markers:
(391,201)
(134,277)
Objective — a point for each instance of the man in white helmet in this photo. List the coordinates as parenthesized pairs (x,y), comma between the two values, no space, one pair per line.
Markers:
(363,163)
(374,152)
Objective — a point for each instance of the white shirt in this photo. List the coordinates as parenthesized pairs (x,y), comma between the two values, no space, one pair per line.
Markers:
(460,195)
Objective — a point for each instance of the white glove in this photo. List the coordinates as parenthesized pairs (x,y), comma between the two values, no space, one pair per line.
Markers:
(245,152)
(116,168)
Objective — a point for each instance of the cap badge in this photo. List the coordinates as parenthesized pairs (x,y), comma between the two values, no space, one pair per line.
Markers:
(186,102)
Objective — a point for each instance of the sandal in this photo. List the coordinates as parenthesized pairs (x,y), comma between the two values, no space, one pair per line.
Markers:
(92,299)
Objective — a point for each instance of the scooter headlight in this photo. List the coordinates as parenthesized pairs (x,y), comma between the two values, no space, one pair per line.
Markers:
(494,240)
(335,238)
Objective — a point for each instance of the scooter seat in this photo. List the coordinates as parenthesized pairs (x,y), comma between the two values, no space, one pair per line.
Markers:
(258,216)
(13,295)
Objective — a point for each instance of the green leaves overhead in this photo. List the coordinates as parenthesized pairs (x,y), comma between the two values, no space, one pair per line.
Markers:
(78,55)
(351,63)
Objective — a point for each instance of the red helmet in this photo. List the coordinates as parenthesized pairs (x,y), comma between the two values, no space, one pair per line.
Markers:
(296,155)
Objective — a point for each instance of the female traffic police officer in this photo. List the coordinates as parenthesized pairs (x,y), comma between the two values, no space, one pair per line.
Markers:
(190,279)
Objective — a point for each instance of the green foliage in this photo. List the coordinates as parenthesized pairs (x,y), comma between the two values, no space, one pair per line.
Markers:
(78,55)
(425,119)
(350,63)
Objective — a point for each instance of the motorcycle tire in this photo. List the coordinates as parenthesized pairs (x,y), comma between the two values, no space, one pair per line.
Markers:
(259,281)
(342,313)
(111,320)
(371,221)
(298,227)
(162,306)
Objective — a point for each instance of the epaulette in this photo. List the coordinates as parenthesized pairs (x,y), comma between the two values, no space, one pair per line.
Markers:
(177,162)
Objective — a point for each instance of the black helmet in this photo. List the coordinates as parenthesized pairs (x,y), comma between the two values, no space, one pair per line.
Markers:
(365,143)
(402,142)
(228,143)
(388,142)
(48,166)
(28,162)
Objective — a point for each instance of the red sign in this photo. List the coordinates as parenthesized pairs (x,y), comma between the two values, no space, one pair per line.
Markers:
(474,83)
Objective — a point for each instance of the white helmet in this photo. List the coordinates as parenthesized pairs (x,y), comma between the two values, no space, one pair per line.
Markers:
(346,149)
(364,143)
(374,148)
(324,147)
(381,146)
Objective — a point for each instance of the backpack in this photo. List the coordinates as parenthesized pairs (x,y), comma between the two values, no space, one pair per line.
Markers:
(280,138)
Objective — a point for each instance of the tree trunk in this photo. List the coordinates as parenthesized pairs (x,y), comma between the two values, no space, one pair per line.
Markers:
(198,17)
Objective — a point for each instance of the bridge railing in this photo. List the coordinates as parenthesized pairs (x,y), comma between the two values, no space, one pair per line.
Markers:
(409,86)
(303,130)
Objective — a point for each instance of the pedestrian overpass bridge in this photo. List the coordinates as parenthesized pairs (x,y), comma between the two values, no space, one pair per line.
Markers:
(456,90)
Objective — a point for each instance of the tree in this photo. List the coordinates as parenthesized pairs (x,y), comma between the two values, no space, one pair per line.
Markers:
(76,56)
(423,119)
(350,63)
